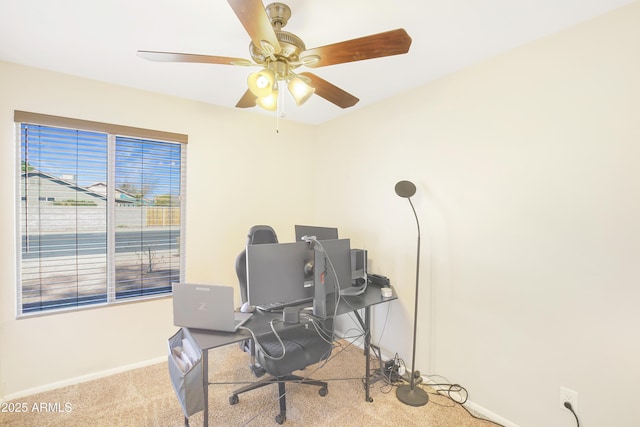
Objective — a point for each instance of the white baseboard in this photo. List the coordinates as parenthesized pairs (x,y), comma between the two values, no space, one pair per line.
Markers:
(490,415)
(82,378)
(475,408)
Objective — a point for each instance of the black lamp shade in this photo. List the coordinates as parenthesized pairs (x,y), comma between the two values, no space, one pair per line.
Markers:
(405,189)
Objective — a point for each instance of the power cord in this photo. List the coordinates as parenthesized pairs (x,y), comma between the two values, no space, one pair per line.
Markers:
(458,389)
(452,388)
(480,418)
(446,390)
(569,407)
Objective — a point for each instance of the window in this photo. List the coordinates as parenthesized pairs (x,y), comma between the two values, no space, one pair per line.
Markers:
(100,212)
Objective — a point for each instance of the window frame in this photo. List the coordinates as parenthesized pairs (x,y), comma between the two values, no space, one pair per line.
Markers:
(112,132)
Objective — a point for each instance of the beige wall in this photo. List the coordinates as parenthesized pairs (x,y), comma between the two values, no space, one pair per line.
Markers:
(238,175)
(527,196)
(529,200)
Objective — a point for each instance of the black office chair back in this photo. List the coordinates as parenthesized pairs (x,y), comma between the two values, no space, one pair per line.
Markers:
(258,235)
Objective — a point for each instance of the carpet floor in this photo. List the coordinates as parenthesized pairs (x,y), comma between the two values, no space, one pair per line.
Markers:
(145,397)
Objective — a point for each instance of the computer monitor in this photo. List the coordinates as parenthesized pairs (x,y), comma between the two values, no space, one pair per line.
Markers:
(334,253)
(276,274)
(321,233)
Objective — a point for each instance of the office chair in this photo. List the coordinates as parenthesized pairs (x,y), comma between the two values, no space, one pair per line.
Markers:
(303,347)
(257,235)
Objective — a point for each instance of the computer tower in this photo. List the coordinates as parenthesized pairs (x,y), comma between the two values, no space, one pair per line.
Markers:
(358,267)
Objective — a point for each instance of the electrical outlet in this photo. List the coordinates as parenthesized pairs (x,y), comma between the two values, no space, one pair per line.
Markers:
(568,395)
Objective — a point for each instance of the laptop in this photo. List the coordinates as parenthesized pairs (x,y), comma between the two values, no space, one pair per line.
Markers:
(206,307)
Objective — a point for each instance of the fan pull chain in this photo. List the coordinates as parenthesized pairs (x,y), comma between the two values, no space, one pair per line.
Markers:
(278,116)
(279,105)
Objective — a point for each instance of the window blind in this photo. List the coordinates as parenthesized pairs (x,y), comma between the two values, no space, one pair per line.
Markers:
(148,175)
(100,217)
(63,222)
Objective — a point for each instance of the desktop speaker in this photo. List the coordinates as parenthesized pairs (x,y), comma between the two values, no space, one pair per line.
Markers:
(358,266)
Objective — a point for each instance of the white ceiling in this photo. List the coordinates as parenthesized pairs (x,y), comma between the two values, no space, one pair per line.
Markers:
(98,39)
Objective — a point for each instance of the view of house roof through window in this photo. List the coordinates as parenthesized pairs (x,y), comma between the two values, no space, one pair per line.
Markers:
(99,216)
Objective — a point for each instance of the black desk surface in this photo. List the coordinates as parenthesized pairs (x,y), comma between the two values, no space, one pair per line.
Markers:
(259,322)
(372,296)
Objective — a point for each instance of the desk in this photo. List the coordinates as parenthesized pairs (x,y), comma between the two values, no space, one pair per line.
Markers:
(259,324)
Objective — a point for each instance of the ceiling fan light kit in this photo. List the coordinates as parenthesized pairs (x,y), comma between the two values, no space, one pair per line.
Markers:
(261,82)
(300,90)
(280,52)
(269,102)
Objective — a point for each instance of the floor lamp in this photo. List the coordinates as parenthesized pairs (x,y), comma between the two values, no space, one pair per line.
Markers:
(409,394)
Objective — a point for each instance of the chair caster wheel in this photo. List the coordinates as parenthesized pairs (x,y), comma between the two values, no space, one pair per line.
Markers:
(233,399)
(323,391)
(280,419)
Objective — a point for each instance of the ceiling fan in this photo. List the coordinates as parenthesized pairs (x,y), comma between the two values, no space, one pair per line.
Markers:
(280,52)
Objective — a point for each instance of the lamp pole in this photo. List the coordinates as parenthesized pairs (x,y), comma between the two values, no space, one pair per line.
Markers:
(409,394)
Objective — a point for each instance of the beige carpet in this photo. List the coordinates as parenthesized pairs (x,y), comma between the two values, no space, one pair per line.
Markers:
(145,397)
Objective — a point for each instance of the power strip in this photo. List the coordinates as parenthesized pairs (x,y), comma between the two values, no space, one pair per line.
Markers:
(392,370)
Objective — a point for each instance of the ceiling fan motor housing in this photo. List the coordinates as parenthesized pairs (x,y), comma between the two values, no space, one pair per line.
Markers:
(291,46)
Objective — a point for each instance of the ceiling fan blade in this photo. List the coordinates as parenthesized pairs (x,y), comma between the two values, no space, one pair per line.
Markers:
(248,100)
(394,42)
(330,92)
(255,21)
(190,57)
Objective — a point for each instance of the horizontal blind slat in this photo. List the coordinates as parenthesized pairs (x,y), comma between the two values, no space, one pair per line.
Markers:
(64,196)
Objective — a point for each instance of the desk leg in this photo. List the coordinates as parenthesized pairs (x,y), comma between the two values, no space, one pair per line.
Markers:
(205,384)
(366,326)
(367,351)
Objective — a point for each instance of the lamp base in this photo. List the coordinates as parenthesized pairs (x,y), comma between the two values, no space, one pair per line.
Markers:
(415,397)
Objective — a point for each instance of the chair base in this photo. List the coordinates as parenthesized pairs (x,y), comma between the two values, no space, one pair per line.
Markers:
(282,416)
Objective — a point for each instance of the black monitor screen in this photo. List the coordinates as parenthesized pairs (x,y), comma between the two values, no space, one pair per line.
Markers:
(321,233)
(276,273)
